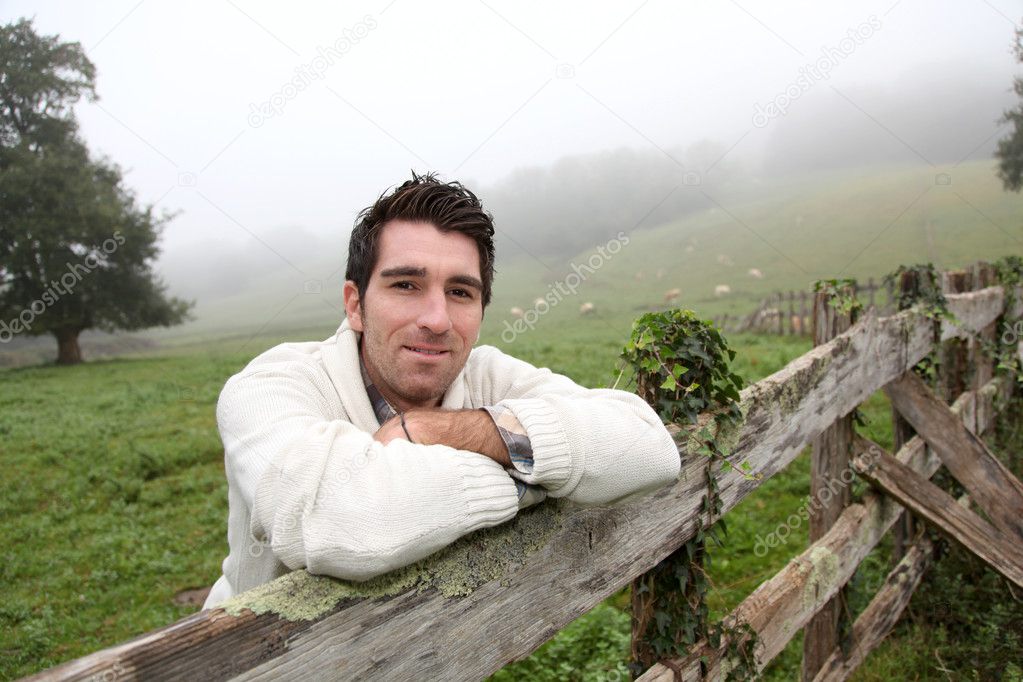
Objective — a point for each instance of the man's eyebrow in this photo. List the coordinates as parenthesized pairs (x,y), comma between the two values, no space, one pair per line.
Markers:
(467,280)
(412,271)
(404,271)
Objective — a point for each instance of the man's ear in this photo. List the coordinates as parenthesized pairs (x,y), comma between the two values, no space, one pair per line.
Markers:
(353,305)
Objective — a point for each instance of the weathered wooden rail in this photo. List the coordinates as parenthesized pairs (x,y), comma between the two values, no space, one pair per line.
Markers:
(556,562)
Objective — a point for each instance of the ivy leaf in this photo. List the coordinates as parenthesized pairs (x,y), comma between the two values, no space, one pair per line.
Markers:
(663,620)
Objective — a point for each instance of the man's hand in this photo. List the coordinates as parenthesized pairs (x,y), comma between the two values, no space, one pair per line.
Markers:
(390,430)
(472,430)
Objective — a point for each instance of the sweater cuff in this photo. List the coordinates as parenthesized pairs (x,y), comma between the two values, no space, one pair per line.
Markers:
(476,493)
(490,494)
(552,457)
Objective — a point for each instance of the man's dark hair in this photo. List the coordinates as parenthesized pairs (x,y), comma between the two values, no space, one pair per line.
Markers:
(447,205)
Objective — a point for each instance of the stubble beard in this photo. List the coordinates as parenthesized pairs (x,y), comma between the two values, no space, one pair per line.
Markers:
(386,371)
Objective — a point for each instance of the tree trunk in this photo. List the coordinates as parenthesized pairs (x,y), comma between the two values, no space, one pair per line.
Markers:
(68,351)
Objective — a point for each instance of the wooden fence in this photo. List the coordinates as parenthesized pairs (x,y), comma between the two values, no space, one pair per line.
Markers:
(559,561)
(789,313)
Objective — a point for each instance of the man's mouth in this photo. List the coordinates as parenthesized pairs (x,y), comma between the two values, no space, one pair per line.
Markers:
(426,351)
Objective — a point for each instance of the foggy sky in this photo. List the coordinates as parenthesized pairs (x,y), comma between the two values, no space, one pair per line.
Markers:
(476,90)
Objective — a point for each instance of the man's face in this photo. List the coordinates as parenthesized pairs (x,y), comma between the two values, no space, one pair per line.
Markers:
(421,312)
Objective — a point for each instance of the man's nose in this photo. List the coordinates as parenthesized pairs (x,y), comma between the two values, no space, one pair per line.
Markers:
(434,313)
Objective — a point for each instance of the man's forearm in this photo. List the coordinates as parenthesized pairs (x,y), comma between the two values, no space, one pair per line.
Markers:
(472,430)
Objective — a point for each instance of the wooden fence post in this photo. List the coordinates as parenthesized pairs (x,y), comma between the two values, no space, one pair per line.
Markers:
(792,314)
(658,584)
(829,493)
(902,433)
(953,366)
(804,313)
(983,367)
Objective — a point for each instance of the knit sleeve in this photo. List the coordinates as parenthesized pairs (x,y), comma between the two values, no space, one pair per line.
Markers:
(325,496)
(592,446)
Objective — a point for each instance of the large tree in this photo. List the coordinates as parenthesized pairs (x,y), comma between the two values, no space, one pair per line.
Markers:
(1010,149)
(76,248)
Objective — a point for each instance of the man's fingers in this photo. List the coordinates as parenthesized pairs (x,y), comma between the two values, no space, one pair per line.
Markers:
(388,431)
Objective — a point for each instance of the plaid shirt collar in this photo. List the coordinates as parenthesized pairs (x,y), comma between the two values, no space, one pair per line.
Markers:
(381,408)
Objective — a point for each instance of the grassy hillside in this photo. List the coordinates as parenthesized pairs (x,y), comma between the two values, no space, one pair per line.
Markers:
(854,224)
(861,223)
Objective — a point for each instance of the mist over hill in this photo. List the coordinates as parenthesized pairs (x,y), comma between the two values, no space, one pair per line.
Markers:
(948,114)
(547,214)
(556,211)
(582,201)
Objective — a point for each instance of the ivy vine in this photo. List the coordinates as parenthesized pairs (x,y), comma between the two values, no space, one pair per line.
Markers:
(1003,351)
(841,295)
(681,365)
(924,294)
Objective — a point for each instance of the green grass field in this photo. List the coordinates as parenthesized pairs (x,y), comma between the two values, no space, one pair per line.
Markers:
(114,493)
(116,501)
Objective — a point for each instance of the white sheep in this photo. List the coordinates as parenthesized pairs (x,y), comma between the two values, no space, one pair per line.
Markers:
(586,308)
(755,274)
(672,294)
(517,312)
(722,290)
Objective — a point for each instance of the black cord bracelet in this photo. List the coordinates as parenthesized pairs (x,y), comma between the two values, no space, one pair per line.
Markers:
(401,415)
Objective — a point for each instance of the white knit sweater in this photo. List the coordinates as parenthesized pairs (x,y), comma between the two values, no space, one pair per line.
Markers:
(309,487)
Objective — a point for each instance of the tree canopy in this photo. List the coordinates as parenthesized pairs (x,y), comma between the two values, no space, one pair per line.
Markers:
(1010,149)
(76,248)
(41,78)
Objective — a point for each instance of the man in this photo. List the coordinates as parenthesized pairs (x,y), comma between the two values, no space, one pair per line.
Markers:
(394,437)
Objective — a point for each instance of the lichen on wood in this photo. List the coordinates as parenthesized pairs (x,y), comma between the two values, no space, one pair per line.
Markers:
(455,571)
(823,570)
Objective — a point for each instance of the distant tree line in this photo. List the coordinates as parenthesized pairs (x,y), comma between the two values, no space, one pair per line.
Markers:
(554,212)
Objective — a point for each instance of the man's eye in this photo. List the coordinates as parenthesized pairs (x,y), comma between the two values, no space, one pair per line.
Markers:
(461,293)
(403,285)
